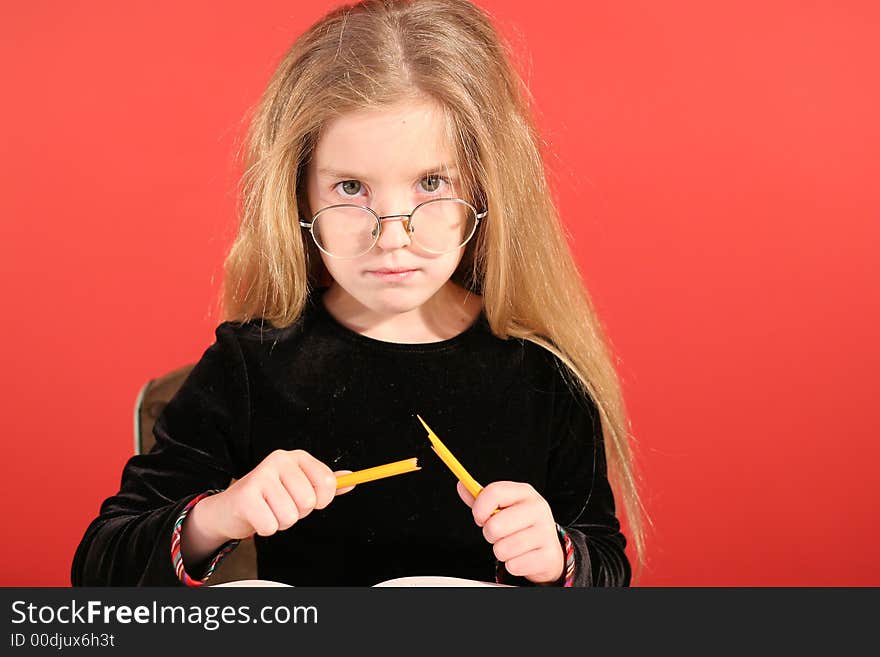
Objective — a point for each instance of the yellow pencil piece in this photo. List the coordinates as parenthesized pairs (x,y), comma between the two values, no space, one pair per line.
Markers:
(451,462)
(378,472)
(427,428)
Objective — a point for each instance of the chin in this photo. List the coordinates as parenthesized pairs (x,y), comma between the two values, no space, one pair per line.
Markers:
(395,301)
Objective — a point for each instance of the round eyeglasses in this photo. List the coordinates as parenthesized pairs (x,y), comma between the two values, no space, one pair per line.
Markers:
(438,226)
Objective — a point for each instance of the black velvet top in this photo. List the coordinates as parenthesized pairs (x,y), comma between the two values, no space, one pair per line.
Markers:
(501,406)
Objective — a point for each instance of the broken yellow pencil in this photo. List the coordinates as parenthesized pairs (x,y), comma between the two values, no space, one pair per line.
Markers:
(451,462)
(379,472)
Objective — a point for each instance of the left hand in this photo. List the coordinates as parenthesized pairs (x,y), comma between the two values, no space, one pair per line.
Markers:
(522,533)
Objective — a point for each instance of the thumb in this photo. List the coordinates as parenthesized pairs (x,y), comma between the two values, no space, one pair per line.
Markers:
(463,493)
(342,491)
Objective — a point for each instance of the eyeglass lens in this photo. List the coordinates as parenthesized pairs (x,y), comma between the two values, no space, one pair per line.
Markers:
(438,226)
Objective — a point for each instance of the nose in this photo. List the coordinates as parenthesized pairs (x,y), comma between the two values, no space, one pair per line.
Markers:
(393,233)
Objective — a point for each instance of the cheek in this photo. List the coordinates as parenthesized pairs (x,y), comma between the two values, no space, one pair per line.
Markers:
(335,267)
(449,262)
(440,268)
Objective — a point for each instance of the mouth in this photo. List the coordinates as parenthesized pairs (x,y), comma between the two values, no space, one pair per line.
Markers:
(395,270)
(392,274)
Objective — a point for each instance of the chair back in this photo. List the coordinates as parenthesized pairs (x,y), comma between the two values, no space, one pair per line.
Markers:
(154,395)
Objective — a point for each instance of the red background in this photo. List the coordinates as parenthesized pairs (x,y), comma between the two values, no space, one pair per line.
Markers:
(716,165)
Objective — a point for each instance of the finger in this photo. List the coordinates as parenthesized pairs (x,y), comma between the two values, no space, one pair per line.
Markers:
(299,488)
(519,543)
(464,494)
(510,520)
(342,491)
(258,514)
(530,563)
(498,495)
(322,479)
(282,507)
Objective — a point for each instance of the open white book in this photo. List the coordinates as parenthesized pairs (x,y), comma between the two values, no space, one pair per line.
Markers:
(415,580)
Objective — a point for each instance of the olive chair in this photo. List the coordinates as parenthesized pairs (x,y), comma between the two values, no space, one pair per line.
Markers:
(241,563)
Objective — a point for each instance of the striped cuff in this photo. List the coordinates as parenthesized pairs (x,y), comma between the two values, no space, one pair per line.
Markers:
(177,555)
(568,550)
(567,578)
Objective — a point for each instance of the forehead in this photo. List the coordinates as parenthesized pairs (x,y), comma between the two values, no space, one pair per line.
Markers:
(397,139)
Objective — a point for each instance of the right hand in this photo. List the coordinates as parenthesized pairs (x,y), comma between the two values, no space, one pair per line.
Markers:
(284,488)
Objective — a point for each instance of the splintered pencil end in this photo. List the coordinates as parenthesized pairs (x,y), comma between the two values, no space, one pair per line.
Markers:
(427,428)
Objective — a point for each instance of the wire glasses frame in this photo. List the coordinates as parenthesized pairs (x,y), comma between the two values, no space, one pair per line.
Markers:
(377,231)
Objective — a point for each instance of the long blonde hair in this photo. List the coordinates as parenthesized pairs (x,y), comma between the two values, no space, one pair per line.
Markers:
(371,55)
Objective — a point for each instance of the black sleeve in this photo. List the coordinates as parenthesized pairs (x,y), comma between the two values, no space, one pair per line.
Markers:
(579,493)
(200,445)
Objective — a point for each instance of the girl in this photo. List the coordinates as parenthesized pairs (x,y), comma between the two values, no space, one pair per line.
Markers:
(398,254)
